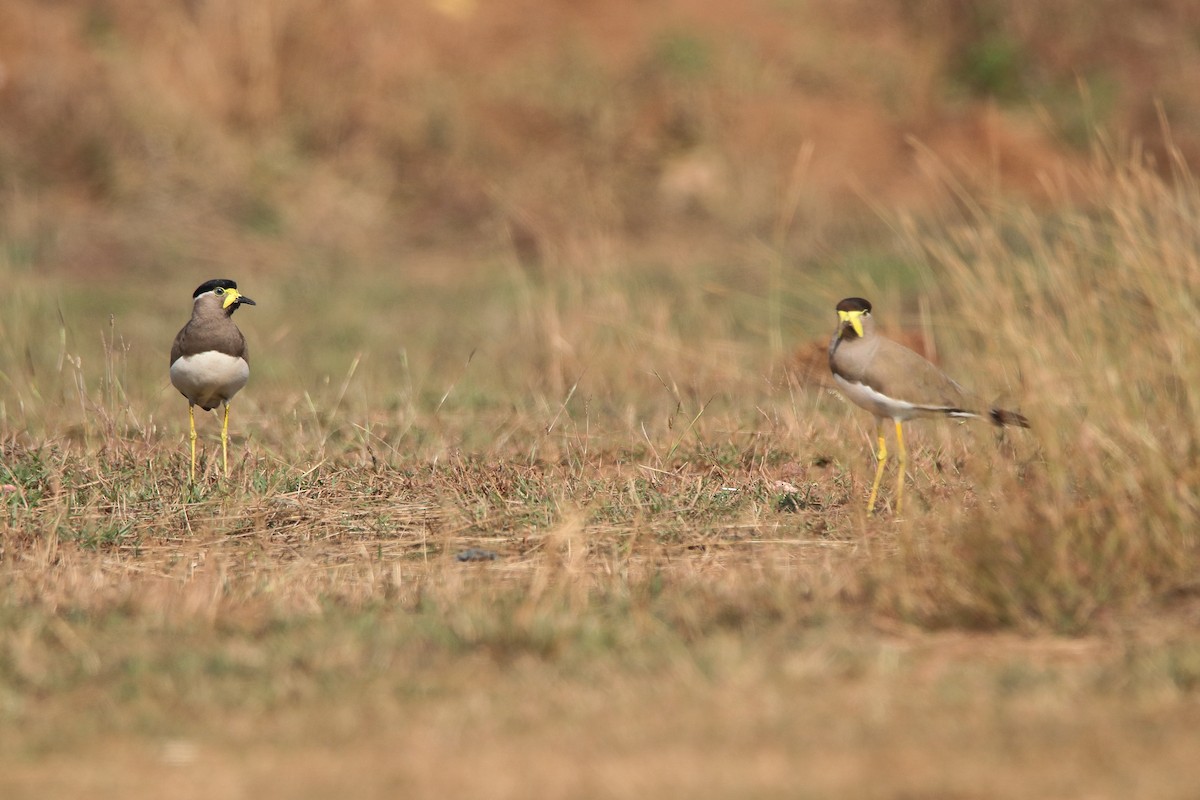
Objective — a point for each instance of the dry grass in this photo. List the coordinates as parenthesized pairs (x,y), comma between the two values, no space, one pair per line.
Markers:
(677,525)
(1083,309)
(560,307)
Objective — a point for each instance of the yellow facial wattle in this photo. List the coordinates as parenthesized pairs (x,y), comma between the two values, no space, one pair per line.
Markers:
(854,318)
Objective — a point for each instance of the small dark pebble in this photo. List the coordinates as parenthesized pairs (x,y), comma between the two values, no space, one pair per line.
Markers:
(477,554)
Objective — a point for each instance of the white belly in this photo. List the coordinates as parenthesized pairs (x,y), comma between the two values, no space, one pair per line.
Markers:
(878,404)
(209,378)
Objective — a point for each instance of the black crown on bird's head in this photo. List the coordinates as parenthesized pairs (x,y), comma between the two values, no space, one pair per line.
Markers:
(854,304)
(216,283)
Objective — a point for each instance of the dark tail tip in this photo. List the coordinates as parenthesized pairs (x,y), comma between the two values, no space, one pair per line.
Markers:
(1002,417)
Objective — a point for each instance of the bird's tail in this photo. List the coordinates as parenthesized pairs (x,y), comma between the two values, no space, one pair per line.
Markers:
(1002,417)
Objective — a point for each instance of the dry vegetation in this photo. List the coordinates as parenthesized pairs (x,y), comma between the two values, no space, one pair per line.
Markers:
(531,495)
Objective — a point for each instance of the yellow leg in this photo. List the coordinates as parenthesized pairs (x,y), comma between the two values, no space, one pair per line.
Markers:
(225,440)
(192,437)
(903,453)
(881,458)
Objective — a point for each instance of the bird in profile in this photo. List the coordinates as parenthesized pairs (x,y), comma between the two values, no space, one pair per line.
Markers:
(893,382)
(209,360)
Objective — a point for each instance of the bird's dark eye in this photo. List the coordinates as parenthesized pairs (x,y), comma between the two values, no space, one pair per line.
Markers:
(219,290)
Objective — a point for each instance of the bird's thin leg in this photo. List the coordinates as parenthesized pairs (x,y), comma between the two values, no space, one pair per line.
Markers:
(903,454)
(192,437)
(881,458)
(225,440)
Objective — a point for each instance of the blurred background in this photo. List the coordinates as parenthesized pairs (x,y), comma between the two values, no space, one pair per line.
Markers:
(371,170)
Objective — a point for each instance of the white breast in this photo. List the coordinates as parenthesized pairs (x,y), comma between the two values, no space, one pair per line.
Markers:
(877,403)
(209,378)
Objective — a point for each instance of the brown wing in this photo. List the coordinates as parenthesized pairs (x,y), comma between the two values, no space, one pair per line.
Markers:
(240,349)
(177,348)
(903,374)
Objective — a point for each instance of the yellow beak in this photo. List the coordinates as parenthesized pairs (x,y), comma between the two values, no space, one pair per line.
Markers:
(234,296)
(854,319)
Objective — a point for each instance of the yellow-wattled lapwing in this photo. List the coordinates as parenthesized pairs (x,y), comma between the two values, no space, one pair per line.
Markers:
(209,361)
(893,382)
